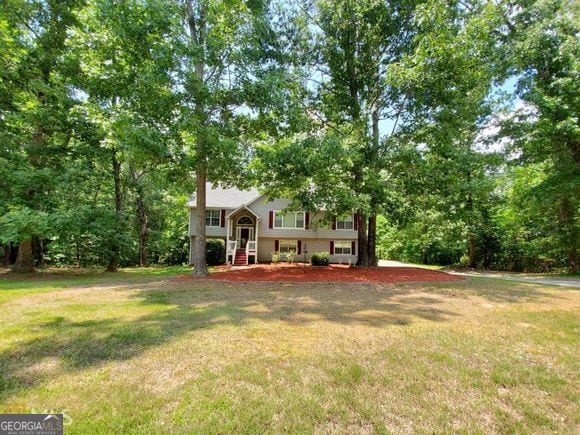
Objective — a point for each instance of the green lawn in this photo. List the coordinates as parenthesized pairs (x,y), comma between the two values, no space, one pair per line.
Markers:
(141,351)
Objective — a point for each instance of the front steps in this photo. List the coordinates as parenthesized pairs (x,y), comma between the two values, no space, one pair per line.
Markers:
(240,258)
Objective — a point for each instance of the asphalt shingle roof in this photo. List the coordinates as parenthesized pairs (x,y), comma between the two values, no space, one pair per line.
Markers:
(225,198)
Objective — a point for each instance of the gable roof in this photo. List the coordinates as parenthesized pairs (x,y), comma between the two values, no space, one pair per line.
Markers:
(244,207)
(225,197)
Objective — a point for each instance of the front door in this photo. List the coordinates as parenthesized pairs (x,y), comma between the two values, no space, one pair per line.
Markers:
(243,235)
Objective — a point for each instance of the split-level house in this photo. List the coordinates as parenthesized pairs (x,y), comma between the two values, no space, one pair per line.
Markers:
(253,227)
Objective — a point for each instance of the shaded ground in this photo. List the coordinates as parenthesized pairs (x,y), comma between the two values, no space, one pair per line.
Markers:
(335,273)
(158,354)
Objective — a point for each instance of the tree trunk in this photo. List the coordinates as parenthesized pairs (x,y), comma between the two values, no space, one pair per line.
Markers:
(363,244)
(372,158)
(199,257)
(38,251)
(372,241)
(472,250)
(197,23)
(24,259)
(569,232)
(7,249)
(143,227)
(114,256)
(471,239)
(78,253)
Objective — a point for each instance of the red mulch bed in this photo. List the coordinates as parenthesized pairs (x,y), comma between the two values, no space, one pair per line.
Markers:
(333,273)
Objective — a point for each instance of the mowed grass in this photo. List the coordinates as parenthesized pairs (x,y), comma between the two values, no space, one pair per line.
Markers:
(143,351)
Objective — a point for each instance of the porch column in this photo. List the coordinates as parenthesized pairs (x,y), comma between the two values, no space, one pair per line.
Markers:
(256,237)
(227,239)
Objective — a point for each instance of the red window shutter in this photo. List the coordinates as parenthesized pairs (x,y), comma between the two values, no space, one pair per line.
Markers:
(276,244)
(353,248)
(271,221)
(299,247)
(355,221)
(307,220)
(332,247)
(334,223)
(223,219)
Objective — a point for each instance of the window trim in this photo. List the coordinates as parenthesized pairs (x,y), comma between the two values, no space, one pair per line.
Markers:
(303,227)
(242,217)
(342,219)
(212,210)
(335,242)
(287,240)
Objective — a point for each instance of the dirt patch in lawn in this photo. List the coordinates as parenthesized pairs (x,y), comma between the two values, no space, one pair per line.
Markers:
(333,273)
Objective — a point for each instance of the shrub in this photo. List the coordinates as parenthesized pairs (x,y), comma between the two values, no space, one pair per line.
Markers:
(215,251)
(275,257)
(319,259)
(290,256)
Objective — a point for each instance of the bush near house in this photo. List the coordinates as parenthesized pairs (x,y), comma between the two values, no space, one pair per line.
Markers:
(215,251)
(319,259)
(291,256)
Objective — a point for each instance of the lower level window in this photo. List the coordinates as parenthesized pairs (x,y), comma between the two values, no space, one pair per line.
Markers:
(288,245)
(342,248)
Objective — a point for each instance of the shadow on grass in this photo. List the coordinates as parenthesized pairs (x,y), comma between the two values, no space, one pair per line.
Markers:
(93,277)
(494,290)
(186,307)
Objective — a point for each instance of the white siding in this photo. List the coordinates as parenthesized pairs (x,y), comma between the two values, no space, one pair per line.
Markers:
(209,231)
(192,221)
(316,239)
(263,209)
(191,247)
(309,246)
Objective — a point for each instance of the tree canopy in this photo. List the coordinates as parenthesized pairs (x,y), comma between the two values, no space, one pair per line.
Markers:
(450,129)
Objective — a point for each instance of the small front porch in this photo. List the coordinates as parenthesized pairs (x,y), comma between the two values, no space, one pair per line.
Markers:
(242,237)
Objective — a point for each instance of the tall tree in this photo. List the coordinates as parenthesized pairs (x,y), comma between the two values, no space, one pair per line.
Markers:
(225,62)
(385,74)
(126,68)
(36,121)
(547,130)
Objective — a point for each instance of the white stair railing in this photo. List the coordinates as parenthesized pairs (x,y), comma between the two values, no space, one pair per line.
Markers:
(231,250)
(250,249)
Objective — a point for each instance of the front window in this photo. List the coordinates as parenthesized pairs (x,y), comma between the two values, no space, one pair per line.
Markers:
(212,218)
(289,220)
(287,246)
(342,248)
(345,223)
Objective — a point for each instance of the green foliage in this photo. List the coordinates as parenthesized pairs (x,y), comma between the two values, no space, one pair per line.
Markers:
(291,256)
(215,251)
(319,259)
(512,231)
(22,223)
(546,131)
(275,257)
(429,240)
(379,107)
